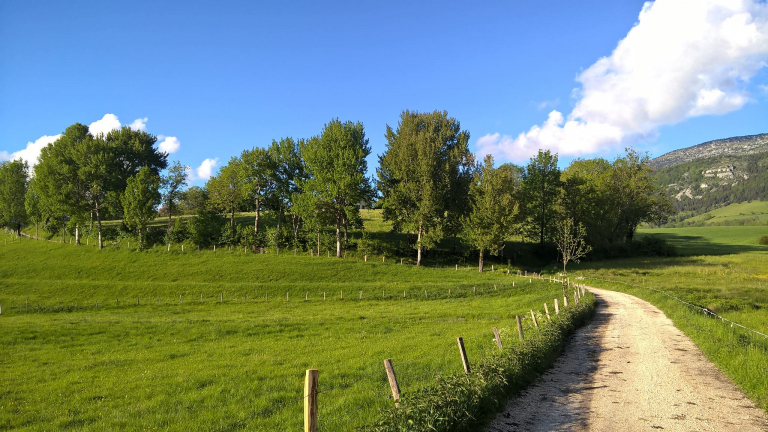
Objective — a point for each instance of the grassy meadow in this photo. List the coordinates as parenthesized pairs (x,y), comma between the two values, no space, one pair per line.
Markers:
(756,212)
(154,356)
(722,268)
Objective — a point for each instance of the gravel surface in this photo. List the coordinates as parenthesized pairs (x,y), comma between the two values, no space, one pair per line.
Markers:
(631,369)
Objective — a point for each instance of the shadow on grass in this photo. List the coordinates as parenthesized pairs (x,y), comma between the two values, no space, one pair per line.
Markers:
(687,245)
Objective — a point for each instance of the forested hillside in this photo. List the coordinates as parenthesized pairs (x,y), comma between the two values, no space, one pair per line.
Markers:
(712,175)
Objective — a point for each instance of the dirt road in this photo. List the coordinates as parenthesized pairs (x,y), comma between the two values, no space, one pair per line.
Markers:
(631,370)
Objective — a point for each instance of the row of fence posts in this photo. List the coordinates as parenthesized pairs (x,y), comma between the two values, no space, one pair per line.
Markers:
(311,422)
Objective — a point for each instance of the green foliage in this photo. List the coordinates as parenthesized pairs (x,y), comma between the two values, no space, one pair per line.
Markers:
(13,191)
(493,209)
(763,240)
(193,200)
(336,167)
(173,184)
(140,201)
(226,190)
(424,176)
(541,193)
(205,228)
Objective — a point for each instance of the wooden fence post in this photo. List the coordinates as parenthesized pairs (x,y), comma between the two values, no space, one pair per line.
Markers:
(575,297)
(310,401)
(392,381)
(498,337)
(546,309)
(565,301)
(533,317)
(519,326)
(557,308)
(463,353)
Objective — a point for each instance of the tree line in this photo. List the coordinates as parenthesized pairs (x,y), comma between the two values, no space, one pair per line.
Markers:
(428,185)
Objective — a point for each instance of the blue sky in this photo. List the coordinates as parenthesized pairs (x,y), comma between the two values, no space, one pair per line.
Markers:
(214,78)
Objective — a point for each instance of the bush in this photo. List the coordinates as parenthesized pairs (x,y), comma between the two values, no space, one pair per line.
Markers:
(179,233)
(205,228)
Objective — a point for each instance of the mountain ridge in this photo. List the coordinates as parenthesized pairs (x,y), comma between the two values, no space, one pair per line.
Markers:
(733,146)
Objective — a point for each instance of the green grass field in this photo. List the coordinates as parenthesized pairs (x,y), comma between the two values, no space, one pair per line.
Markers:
(722,269)
(745,210)
(146,359)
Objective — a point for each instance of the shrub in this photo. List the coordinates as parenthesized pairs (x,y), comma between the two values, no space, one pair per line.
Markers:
(205,228)
(763,240)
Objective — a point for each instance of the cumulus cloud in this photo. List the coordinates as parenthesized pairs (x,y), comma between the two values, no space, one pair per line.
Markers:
(105,125)
(682,59)
(169,145)
(204,171)
(30,153)
(139,124)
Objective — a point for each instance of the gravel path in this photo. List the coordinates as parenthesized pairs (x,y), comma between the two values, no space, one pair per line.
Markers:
(631,369)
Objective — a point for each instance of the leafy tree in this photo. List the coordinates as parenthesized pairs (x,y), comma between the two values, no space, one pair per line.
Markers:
(570,242)
(336,165)
(637,198)
(173,184)
(193,200)
(492,209)
(205,228)
(289,173)
(33,206)
(13,190)
(424,175)
(541,193)
(141,197)
(256,174)
(226,189)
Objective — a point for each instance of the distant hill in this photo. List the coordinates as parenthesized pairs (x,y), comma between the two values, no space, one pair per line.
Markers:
(735,146)
(715,174)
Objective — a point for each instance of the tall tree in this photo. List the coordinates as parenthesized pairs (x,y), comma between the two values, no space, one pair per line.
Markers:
(173,184)
(491,218)
(256,173)
(288,175)
(637,198)
(541,193)
(13,190)
(140,201)
(226,189)
(336,165)
(33,206)
(424,175)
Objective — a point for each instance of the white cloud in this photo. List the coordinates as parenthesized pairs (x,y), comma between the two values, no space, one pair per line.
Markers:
(32,150)
(204,171)
(139,124)
(169,145)
(105,125)
(683,59)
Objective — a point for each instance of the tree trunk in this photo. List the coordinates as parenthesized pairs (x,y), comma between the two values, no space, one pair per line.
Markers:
(418,248)
(170,218)
(37,230)
(232,220)
(77,235)
(338,238)
(258,213)
(318,242)
(346,243)
(480,264)
(98,223)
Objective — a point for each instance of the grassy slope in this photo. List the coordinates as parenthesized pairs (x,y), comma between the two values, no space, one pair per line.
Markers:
(725,270)
(745,210)
(184,366)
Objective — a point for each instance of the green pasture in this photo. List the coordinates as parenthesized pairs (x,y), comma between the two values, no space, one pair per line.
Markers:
(722,269)
(732,212)
(148,359)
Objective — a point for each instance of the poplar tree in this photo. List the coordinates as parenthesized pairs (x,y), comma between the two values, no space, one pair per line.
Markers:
(424,174)
(336,168)
(493,208)
(13,189)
